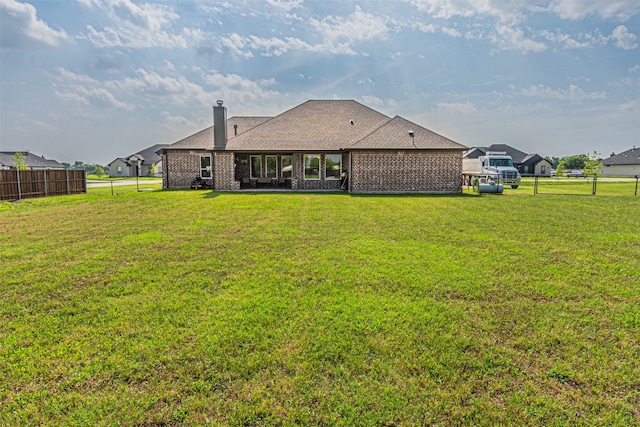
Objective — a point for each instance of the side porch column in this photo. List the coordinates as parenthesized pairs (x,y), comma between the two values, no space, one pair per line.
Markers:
(224,171)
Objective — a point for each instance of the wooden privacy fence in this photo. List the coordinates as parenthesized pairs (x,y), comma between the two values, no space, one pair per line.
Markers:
(25,184)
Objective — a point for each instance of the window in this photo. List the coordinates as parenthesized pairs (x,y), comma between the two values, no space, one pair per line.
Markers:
(272,166)
(332,166)
(205,166)
(119,170)
(287,166)
(256,166)
(526,168)
(543,169)
(311,166)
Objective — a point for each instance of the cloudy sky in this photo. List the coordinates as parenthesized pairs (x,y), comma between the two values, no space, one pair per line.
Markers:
(92,80)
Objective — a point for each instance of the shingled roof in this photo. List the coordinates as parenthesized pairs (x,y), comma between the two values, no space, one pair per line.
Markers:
(629,157)
(203,140)
(317,125)
(321,125)
(31,160)
(394,134)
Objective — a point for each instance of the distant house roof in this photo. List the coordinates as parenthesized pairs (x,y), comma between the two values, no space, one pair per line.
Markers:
(33,161)
(517,156)
(475,152)
(629,157)
(148,156)
(532,159)
(321,125)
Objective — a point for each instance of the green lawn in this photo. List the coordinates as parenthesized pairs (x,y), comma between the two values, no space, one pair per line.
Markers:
(199,308)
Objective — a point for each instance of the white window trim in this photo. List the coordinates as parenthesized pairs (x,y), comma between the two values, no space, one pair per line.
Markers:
(304,167)
(207,169)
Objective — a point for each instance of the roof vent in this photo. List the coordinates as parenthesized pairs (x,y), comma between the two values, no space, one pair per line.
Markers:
(352,122)
(219,102)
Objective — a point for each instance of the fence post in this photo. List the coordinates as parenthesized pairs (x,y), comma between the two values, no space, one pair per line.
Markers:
(19,185)
(535,185)
(636,186)
(44,177)
(595,181)
(67,175)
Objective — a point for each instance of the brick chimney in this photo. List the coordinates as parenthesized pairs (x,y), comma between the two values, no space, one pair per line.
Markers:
(219,126)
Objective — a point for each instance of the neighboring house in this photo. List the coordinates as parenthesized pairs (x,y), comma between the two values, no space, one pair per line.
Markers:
(143,163)
(527,164)
(31,160)
(317,145)
(626,163)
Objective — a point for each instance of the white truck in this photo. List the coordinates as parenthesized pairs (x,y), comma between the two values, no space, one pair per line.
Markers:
(493,166)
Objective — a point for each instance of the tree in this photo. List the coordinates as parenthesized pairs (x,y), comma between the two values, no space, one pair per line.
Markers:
(593,165)
(575,162)
(99,170)
(18,161)
(555,161)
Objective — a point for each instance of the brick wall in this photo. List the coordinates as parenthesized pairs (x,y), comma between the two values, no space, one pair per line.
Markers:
(437,171)
(299,183)
(223,172)
(180,168)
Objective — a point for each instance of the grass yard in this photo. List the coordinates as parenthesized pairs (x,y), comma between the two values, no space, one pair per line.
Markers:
(199,308)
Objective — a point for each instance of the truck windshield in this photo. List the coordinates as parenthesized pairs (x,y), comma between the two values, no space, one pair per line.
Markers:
(500,162)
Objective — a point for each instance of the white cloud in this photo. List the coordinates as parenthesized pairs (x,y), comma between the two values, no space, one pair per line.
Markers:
(623,38)
(245,46)
(285,5)
(456,107)
(578,9)
(96,97)
(510,14)
(239,89)
(378,102)
(563,39)
(451,32)
(165,89)
(136,25)
(516,10)
(573,94)
(635,68)
(507,37)
(505,11)
(85,91)
(21,28)
(339,34)
(425,28)
(359,26)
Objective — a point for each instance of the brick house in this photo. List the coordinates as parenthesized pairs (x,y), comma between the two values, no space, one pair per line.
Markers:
(626,163)
(143,163)
(317,145)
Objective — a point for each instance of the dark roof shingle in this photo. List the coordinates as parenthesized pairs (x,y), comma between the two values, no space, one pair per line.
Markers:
(394,135)
(312,126)
(629,157)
